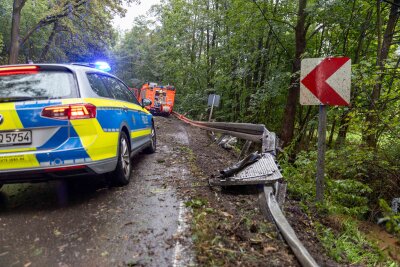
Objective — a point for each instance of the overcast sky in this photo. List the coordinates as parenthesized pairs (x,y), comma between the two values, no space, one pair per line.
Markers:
(133,11)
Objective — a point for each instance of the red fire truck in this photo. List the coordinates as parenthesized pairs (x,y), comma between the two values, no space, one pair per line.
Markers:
(162,98)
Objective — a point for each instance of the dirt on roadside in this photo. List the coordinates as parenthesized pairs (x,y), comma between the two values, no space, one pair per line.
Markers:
(227,226)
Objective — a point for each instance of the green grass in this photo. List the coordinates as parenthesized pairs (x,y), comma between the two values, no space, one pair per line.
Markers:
(351,246)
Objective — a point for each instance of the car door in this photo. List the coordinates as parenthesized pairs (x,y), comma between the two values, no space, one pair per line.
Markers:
(137,118)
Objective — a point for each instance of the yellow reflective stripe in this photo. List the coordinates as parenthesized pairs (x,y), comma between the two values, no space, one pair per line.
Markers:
(98,144)
(67,101)
(12,122)
(16,150)
(18,162)
(11,118)
(139,133)
(105,102)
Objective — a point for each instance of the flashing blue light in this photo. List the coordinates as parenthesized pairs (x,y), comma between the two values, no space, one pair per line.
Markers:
(104,66)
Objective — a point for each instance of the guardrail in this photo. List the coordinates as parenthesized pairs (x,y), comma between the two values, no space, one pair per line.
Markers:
(274,190)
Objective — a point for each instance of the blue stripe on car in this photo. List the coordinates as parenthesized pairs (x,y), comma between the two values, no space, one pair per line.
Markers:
(70,151)
(56,140)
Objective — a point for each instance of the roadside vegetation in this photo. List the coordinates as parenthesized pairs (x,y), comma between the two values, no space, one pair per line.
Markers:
(348,205)
(249,52)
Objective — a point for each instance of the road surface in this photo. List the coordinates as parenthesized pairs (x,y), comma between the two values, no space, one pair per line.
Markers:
(84,222)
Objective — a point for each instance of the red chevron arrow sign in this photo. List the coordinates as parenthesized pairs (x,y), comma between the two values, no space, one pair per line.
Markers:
(325,81)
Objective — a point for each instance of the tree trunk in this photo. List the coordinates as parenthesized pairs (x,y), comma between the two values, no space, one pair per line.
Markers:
(343,128)
(15,24)
(294,90)
(370,134)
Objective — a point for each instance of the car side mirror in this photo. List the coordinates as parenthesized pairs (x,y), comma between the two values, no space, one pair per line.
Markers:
(146,102)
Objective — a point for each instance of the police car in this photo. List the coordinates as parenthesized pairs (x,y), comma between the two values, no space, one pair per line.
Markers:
(62,120)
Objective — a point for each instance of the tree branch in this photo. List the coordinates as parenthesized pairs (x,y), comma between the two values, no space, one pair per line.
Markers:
(67,9)
(270,26)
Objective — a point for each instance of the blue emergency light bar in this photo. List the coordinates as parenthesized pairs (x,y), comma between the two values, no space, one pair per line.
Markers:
(101,65)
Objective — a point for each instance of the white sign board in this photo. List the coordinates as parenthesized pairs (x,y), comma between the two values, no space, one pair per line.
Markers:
(213,100)
(325,81)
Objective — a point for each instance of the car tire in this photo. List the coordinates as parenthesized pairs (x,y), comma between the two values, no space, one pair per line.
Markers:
(122,173)
(153,145)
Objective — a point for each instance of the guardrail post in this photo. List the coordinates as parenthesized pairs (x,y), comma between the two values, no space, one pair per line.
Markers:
(269,142)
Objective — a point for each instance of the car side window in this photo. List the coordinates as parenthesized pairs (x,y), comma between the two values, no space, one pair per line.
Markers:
(134,99)
(96,82)
(119,90)
(131,96)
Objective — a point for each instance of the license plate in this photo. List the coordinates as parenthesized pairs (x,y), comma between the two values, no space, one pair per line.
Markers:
(15,138)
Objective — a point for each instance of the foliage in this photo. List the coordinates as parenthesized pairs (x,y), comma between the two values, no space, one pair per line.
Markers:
(196,203)
(350,246)
(61,31)
(343,194)
(391,219)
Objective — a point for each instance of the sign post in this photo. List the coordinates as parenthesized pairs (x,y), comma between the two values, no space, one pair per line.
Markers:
(213,101)
(320,179)
(324,81)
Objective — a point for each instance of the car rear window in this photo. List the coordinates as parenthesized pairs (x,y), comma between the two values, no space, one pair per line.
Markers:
(43,84)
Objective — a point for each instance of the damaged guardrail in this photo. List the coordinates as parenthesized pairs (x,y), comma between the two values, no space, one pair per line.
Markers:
(258,169)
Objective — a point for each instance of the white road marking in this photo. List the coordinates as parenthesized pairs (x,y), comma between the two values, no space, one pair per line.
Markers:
(182,256)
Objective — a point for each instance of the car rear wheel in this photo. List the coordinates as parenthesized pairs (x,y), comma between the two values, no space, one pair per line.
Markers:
(122,174)
(153,145)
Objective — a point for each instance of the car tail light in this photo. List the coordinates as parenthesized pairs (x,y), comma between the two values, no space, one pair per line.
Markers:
(5,71)
(70,112)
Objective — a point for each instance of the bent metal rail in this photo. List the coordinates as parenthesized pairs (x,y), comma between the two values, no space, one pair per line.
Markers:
(258,133)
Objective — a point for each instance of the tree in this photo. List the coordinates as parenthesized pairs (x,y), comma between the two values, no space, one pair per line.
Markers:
(65,16)
(294,90)
(16,19)
(384,44)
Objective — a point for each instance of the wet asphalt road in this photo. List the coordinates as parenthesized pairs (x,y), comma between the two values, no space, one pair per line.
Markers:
(85,223)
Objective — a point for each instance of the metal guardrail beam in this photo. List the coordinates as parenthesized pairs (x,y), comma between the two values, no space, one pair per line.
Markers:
(258,133)
(248,128)
(287,231)
(237,130)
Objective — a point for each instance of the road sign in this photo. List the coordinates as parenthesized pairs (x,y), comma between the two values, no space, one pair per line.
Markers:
(213,100)
(325,81)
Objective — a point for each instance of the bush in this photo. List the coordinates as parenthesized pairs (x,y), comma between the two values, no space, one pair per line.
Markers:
(350,246)
(391,220)
(343,194)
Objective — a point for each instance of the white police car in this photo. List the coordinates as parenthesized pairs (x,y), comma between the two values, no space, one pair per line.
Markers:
(61,120)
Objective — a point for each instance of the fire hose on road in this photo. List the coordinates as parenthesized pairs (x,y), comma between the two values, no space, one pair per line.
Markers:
(258,169)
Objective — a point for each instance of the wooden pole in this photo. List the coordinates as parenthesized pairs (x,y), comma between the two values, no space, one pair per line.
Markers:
(320,180)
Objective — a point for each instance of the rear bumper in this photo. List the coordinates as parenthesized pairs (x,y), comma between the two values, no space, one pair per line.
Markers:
(39,174)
